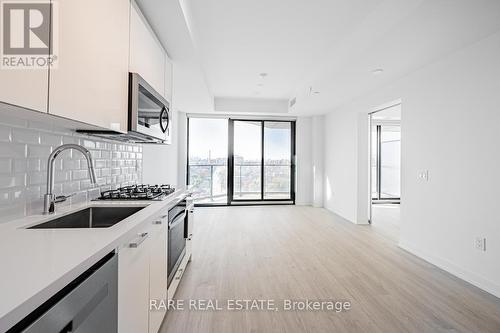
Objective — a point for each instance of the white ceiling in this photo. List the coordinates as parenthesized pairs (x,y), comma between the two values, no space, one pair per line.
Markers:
(330,45)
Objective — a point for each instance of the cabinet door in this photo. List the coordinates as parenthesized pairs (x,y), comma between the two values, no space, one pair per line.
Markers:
(158,273)
(169,73)
(25,85)
(90,83)
(133,285)
(147,57)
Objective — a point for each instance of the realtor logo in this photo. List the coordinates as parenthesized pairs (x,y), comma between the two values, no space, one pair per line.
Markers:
(27,34)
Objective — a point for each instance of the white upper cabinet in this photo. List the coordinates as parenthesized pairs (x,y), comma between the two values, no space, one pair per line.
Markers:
(90,83)
(24,85)
(169,71)
(147,57)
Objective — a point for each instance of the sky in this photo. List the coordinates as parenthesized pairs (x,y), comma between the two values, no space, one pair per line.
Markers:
(210,135)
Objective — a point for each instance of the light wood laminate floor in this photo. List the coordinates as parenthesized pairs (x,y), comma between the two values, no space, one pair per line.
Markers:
(289,252)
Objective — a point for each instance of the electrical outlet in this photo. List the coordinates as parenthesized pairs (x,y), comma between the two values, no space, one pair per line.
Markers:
(423,175)
(480,244)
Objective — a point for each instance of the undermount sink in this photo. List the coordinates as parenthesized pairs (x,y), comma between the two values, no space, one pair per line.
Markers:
(92,217)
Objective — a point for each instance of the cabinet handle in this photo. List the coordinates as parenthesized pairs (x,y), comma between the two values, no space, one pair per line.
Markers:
(142,238)
(158,222)
(179,274)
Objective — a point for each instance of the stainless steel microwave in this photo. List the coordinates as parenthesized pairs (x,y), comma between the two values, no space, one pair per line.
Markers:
(150,117)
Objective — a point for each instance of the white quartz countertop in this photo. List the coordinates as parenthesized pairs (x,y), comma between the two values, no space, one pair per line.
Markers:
(37,263)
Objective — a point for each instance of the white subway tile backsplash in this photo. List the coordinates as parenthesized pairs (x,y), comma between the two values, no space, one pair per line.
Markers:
(4,198)
(24,150)
(5,165)
(85,184)
(51,139)
(71,187)
(79,174)
(62,176)
(33,192)
(88,144)
(12,150)
(105,154)
(70,140)
(5,133)
(39,151)
(20,165)
(37,178)
(39,125)
(12,181)
(99,164)
(71,164)
(12,211)
(17,194)
(95,154)
(21,135)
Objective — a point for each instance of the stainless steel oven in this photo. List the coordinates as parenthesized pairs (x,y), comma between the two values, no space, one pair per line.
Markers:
(150,116)
(176,238)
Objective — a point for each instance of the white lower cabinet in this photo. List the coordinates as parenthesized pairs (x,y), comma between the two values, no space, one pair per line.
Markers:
(158,274)
(142,279)
(133,284)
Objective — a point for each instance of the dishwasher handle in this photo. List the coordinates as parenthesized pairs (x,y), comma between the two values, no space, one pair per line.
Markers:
(142,237)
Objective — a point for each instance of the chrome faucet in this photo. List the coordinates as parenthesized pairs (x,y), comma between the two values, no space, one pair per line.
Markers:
(50,199)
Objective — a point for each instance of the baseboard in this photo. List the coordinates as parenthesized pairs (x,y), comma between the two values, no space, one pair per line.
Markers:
(472,278)
(339,215)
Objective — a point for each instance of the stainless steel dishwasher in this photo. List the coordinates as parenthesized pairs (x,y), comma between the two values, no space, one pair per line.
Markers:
(87,304)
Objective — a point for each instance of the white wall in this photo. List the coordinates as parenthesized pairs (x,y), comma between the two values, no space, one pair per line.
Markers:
(182,150)
(304,176)
(160,162)
(318,160)
(451,127)
(340,164)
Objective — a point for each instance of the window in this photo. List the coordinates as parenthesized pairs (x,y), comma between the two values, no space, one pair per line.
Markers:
(207,165)
(232,161)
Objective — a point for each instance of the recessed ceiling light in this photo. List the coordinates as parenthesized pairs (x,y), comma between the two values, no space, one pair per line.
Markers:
(263,75)
(377,71)
(316,92)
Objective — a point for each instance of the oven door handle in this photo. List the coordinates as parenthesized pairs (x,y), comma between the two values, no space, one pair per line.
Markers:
(176,221)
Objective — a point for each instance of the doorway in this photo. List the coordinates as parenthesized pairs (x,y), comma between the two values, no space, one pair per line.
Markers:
(385,169)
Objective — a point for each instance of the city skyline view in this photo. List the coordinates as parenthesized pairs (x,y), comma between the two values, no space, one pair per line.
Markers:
(208,159)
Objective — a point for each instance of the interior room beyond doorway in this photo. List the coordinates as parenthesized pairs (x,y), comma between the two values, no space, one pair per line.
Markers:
(385,169)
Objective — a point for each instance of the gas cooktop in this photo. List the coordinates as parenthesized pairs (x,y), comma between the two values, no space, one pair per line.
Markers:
(138,192)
